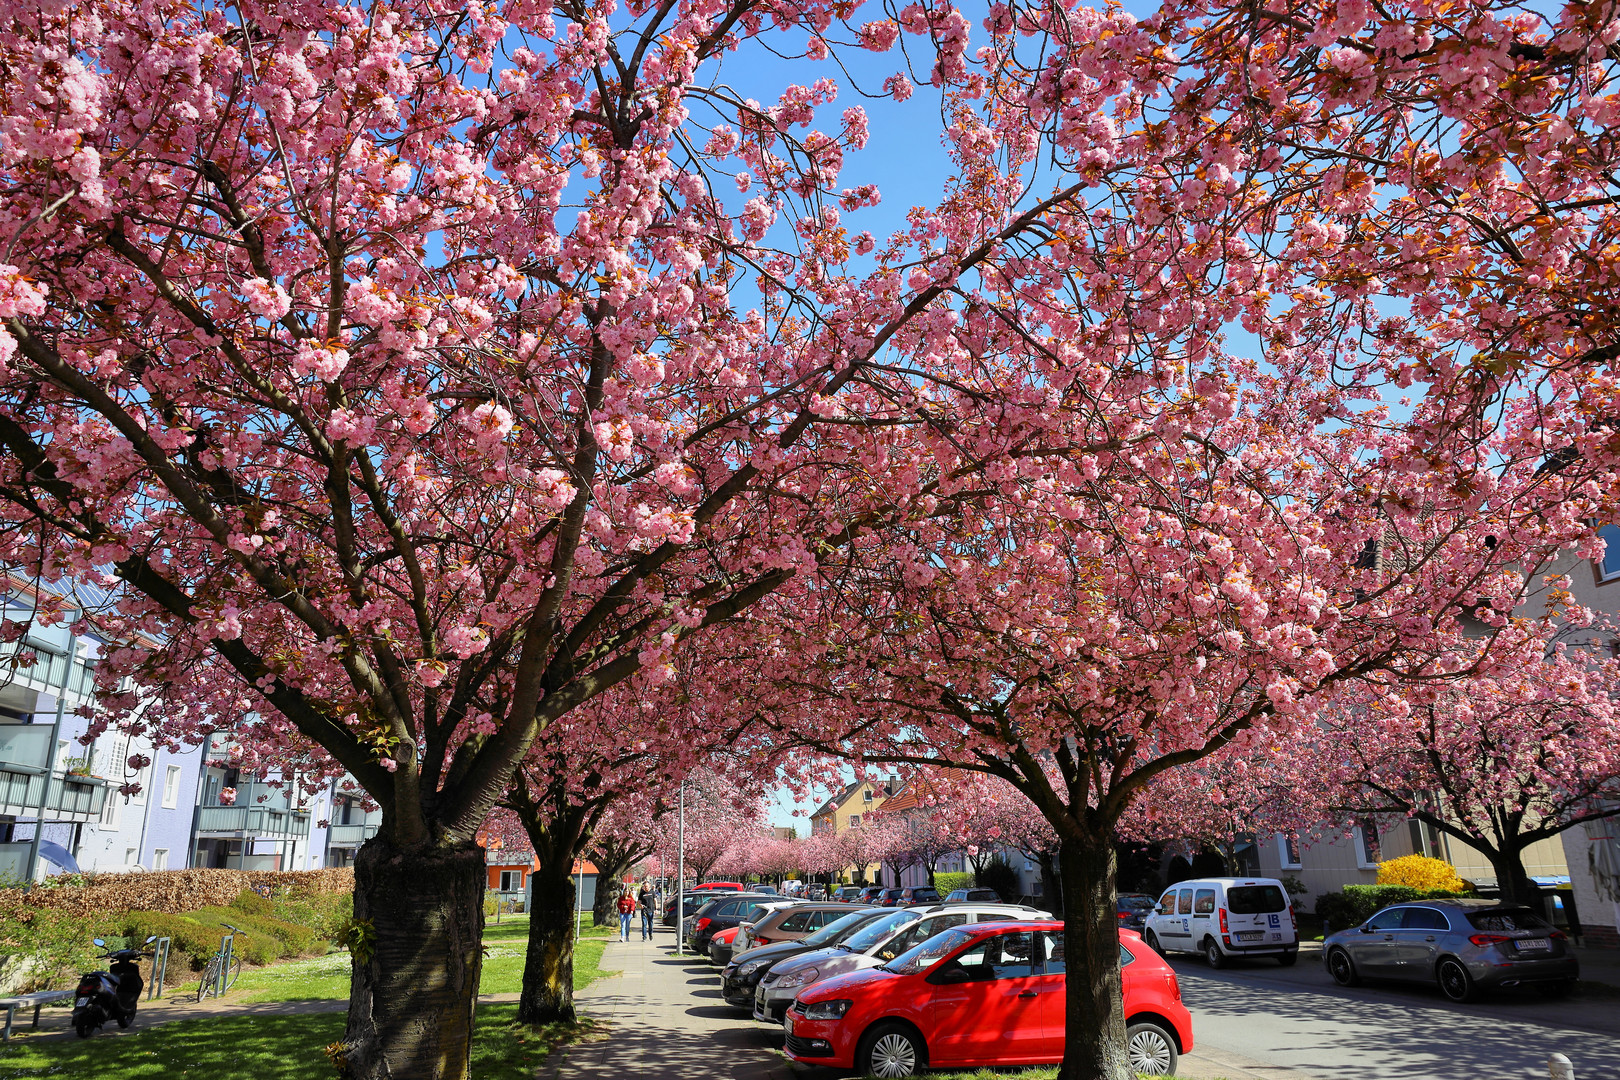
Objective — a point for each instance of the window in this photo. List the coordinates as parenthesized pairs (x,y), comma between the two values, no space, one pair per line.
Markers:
(1051,947)
(1005,956)
(1288,853)
(1425,839)
(1255,899)
(1184,902)
(109,810)
(160,858)
(1424,918)
(854,821)
(1204,902)
(1507,919)
(511,881)
(171,787)
(1609,566)
(129,856)
(1388,919)
(1168,903)
(1367,853)
(796,922)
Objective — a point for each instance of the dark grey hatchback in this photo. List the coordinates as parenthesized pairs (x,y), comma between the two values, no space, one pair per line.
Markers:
(1463,946)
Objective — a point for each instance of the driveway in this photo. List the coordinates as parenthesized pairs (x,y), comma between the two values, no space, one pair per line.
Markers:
(1299,1019)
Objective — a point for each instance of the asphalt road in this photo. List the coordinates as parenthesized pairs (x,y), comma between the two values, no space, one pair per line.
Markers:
(1299,1019)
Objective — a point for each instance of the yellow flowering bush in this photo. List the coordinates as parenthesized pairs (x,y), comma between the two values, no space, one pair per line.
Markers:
(1420,872)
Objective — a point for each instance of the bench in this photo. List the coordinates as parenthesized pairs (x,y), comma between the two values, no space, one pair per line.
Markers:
(22,1001)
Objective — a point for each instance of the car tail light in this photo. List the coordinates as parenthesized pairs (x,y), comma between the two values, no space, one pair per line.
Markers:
(1489,939)
(1175,987)
(761,940)
(1293,922)
(1557,935)
(701,923)
(1223,920)
(1124,915)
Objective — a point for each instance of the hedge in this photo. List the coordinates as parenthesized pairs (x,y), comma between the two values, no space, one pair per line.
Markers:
(1358,903)
(948,883)
(171,891)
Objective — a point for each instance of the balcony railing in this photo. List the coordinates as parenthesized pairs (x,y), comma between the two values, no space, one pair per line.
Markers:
(49,669)
(71,798)
(349,835)
(25,744)
(252,821)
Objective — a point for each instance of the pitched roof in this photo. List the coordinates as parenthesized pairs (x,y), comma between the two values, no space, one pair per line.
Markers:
(839,799)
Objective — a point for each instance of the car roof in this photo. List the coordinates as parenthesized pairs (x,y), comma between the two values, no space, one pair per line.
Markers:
(1224,881)
(1468,903)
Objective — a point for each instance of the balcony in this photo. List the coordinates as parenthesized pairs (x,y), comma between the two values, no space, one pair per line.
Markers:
(349,835)
(24,751)
(252,822)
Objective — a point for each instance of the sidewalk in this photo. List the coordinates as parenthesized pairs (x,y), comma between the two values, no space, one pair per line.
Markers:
(667,1022)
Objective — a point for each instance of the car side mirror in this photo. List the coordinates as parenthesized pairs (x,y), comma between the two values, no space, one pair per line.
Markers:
(1366,929)
(949,974)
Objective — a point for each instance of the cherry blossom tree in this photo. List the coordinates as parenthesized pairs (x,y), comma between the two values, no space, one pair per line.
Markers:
(1497,762)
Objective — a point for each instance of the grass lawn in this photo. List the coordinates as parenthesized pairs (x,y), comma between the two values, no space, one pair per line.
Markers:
(328,976)
(264,1048)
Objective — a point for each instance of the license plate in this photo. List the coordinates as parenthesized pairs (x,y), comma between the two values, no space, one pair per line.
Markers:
(1532,944)
(787,1022)
(81,1001)
(1251,935)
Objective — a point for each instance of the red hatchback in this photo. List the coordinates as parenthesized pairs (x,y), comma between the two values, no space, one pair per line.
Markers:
(985,994)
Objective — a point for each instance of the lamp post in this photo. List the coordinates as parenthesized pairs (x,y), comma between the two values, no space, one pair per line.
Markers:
(680,874)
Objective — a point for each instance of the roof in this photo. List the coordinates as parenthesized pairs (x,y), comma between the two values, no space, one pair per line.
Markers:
(838,800)
(909,797)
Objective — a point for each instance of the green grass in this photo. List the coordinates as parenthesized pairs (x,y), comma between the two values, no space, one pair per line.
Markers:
(264,1048)
(327,977)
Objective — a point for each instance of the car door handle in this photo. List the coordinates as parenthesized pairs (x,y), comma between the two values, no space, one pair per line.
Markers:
(1389,937)
(1429,938)
(1029,993)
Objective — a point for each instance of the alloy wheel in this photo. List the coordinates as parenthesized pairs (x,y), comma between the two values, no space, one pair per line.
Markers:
(893,1055)
(1150,1052)
(1339,967)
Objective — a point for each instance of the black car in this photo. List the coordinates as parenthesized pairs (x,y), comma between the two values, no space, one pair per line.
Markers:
(870,894)
(721,913)
(919,894)
(742,975)
(693,902)
(1133,909)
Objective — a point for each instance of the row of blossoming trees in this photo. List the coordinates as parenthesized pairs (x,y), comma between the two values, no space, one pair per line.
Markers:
(489,402)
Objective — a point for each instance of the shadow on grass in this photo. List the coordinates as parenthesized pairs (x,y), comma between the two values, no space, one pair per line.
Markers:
(270,1048)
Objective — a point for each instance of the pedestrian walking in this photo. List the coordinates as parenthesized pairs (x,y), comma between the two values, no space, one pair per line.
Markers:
(647,901)
(627,910)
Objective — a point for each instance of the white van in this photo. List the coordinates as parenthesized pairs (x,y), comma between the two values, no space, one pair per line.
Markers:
(1224,918)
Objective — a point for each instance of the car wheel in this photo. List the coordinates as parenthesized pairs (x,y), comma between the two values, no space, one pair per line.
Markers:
(1342,970)
(1151,1049)
(1455,982)
(1288,959)
(1212,953)
(1152,940)
(890,1051)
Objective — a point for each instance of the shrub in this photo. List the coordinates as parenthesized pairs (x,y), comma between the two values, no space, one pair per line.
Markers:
(172,891)
(56,946)
(1420,872)
(1358,903)
(998,874)
(949,882)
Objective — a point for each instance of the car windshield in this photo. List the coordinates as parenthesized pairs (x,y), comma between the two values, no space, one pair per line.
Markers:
(1255,899)
(926,955)
(1507,919)
(1136,902)
(924,894)
(834,932)
(879,930)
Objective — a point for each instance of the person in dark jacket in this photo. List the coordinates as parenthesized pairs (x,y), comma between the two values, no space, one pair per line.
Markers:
(647,901)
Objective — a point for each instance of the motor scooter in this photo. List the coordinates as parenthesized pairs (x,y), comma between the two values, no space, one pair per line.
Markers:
(112,994)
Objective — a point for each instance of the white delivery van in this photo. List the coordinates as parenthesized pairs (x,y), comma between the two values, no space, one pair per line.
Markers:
(1225,918)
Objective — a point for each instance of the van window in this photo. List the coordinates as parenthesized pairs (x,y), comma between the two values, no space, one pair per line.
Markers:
(1168,902)
(1184,903)
(1255,899)
(1204,902)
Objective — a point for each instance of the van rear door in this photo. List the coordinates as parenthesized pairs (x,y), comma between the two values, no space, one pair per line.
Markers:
(1257,914)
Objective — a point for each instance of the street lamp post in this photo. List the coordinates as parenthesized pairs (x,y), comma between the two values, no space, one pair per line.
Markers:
(680,874)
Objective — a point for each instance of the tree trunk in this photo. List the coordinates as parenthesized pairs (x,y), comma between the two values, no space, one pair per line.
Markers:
(1513,880)
(548,967)
(416,954)
(607,893)
(1094,1014)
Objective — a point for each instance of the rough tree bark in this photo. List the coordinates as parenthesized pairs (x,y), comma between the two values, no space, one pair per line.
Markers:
(548,965)
(408,1019)
(1094,1017)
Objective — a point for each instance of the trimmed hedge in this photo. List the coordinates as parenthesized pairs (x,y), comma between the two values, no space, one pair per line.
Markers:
(949,882)
(172,891)
(1358,903)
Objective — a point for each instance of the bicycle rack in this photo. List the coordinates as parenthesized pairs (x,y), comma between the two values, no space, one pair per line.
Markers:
(222,976)
(160,968)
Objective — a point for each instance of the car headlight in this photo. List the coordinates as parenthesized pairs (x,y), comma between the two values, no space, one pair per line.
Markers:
(750,969)
(798,978)
(828,1010)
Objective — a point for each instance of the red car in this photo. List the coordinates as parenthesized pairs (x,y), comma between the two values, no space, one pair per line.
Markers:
(983,994)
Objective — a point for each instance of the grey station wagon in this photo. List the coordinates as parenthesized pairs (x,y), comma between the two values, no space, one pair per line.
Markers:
(1463,946)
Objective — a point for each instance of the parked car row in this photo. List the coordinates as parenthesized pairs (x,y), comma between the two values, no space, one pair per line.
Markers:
(888,991)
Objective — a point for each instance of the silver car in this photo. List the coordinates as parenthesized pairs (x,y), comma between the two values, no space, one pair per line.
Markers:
(1464,946)
(878,942)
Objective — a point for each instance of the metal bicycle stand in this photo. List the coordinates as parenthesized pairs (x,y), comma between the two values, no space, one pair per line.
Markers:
(160,968)
(226,950)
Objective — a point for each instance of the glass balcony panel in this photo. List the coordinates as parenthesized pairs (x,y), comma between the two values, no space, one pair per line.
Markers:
(25,744)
